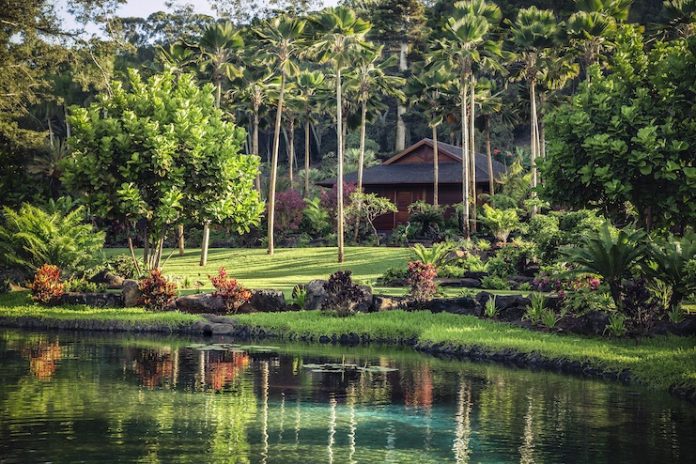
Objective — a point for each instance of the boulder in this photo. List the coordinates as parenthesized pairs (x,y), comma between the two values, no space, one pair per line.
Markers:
(465,282)
(462,305)
(201,303)
(516,281)
(316,295)
(267,301)
(388,303)
(98,300)
(478,275)
(108,278)
(503,302)
(363,303)
(130,293)
(591,323)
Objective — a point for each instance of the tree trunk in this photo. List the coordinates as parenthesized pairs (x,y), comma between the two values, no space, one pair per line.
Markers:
(436,168)
(67,123)
(136,264)
(465,152)
(146,248)
(218,93)
(534,137)
(306,157)
(291,152)
(274,165)
(472,147)
(255,145)
(339,177)
(540,125)
(361,158)
(204,245)
(180,239)
(489,156)
(401,109)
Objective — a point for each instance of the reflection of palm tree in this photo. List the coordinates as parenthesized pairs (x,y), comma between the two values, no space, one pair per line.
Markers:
(527,447)
(463,420)
(264,414)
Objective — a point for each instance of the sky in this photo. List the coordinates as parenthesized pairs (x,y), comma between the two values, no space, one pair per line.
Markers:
(144,8)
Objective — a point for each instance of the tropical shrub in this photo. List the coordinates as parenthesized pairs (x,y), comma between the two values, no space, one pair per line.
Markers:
(613,256)
(123,266)
(638,304)
(490,310)
(81,285)
(548,318)
(157,291)
(289,208)
(500,222)
(421,278)
(47,287)
(394,273)
(585,299)
(616,325)
(230,290)
(426,218)
(438,255)
(316,220)
(515,257)
(545,232)
(329,198)
(669,259)
(299,296)
(31,237)
(536,308)
(364,208)
(341,293)
(493,282)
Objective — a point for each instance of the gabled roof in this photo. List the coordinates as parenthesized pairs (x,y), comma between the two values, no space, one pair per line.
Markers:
(390,173)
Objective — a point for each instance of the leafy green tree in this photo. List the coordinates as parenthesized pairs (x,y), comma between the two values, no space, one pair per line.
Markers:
(159,152)
(501,222)
(629,137)
(281,38)
(366,207)
(340,34)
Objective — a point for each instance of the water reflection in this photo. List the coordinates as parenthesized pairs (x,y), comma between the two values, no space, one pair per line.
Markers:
(74,398)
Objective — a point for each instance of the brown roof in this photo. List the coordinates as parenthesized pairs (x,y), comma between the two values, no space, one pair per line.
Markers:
(421,173)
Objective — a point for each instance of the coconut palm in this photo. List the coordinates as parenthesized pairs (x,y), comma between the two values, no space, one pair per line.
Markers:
(428,90)
(219,47)
(281,37)
(532,33)
(340,33)
(308,85)
(177,57)
(590,32)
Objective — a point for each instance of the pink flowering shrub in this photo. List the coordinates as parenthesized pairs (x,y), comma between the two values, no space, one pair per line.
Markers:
(288,211)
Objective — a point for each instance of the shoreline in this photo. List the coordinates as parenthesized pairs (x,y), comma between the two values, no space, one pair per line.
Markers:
(211,325)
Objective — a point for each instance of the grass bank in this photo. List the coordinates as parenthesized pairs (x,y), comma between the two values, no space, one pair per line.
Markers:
(660,362)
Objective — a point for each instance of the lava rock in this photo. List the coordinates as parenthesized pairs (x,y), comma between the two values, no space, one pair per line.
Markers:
(108,278)
(98,300)
(201,303)
(462,305)
(464,282)
(388,303)
(268,301)
(131,294)
(316,295)
(503,302)
(592,323)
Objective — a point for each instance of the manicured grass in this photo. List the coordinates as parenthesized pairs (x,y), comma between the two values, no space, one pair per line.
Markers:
(18,305)
(657,362)
(285,269)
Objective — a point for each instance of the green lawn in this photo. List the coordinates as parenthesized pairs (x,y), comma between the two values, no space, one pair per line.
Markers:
(658,362)
(286,268)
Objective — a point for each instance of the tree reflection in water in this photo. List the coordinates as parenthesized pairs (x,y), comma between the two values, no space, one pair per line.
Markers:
(163,401)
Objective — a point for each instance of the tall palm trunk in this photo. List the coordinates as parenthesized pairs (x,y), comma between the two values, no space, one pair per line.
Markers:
(291,152)
(218,92)
(339,178)
(465,154)
(361,159)
(255,145)
(489,156)
(436,168)
(400,108)
(472,147)
(274,165)
(306,157)
(534,133)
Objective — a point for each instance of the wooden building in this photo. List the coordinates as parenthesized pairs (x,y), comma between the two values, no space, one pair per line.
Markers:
(408,177)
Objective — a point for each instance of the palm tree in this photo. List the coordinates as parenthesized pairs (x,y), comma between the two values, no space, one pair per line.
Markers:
(219,46)
(428,91)
(370,77)
(590,32)
(533,32)
(555,73)
(341,32)
(464,45)
(308,85)
(491,103)
(177,57)
(681,16)
(281,37)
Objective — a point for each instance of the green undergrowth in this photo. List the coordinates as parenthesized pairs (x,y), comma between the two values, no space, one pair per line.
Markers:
(658,362)
(17,305)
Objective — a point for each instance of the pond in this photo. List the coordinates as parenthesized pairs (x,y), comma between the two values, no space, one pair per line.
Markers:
(132,398)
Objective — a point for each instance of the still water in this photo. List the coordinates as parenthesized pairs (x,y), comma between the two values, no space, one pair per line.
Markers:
(68,398)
